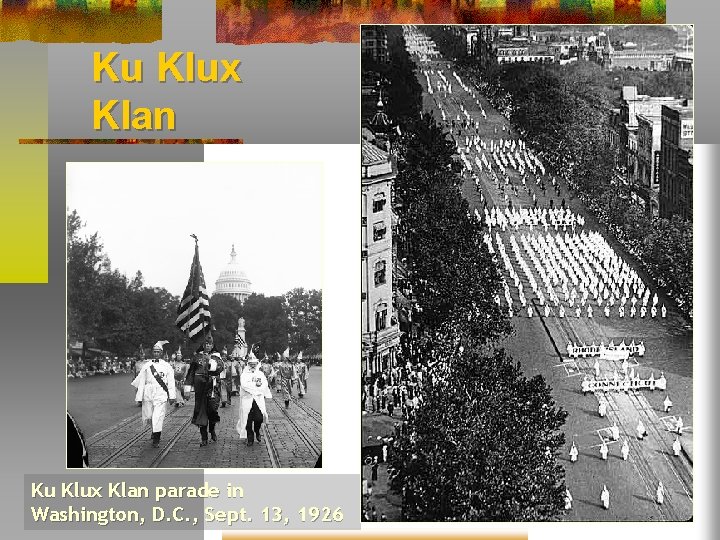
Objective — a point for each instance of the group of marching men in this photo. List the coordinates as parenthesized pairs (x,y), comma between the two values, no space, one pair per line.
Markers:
(613,432)
(581,266)
(419,44)
(213,378)
(495,157)
(504,154)
(614,435)
(504,218)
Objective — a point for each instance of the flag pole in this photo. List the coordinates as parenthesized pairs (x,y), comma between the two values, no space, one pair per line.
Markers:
(193,311)
(194,237)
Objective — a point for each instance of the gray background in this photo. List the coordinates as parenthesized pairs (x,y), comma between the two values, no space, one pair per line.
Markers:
(259,492)
(291,94)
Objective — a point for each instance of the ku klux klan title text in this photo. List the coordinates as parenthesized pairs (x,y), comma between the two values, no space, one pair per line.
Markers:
(178,66)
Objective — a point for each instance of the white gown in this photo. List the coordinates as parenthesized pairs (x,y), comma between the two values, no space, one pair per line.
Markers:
(153,396)
(253,387)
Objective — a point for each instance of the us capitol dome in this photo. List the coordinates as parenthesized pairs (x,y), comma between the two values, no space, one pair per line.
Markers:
(233,281)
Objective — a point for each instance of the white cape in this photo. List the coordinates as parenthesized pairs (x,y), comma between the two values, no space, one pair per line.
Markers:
(253,387)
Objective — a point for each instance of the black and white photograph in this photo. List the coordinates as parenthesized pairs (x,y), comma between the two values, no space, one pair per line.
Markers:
(194,314)
(527,273)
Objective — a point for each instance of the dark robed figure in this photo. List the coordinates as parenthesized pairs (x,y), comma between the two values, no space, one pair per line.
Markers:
(204,375)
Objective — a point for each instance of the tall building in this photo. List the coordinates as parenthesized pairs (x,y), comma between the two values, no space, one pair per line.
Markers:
(648,159)
(373,42)
(634,104)
(233,281)
(676,160)
(638,59)
(380,330)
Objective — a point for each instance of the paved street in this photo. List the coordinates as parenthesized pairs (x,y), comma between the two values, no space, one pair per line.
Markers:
(291,438)
(539,344)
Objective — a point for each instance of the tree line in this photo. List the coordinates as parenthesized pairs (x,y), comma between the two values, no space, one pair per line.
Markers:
(109,311)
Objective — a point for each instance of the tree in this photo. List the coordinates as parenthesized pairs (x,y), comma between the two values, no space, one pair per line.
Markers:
(266,323)
(483,446)
(107,310)
(84,258)
(225,311)
(304,312)
(668,252)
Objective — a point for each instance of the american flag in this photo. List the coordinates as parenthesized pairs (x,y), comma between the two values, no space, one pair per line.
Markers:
(194,309)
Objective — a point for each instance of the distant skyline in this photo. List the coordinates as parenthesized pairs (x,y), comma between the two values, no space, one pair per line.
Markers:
(144,214)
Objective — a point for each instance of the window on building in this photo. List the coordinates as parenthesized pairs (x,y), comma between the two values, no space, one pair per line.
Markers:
(379,202)
(379,231)
(381,317)
(380,273)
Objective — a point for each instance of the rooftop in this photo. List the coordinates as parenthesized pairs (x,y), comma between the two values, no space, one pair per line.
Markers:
(372,155)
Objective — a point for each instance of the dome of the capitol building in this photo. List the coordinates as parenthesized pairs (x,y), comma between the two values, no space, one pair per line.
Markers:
(233,281)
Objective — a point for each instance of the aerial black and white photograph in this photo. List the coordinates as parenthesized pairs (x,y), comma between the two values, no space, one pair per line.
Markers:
(194,314)
(527,264)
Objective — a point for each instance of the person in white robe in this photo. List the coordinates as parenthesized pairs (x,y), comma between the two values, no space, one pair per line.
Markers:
(254,390)
(568,500)
(605,497)
(573,452)
(667,404)
(625,449)
(660,493)
(155,387)
(640,430)
(679,425)
(602,409)
(604,450)
(676,447)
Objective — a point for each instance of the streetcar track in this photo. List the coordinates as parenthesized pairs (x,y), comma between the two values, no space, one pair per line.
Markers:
(271,449)
(168,446)
(303,436)
(104,463)
(311,412)
(681,471)
(105,433)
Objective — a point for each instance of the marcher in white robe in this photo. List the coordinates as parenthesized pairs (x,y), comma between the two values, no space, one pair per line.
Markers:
(615,431)
(568,500)
(625,449)
(573,452)
(660,493)
(640,430)
(253,391)
(667,404)
(604,450)
(676,447)
(155,387)
(605,497)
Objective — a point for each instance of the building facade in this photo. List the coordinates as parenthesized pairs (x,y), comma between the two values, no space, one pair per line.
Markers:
(373,42)
(648,159)
(631,106)
(233,281)
(676,163)
(380,330)
(640,60)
